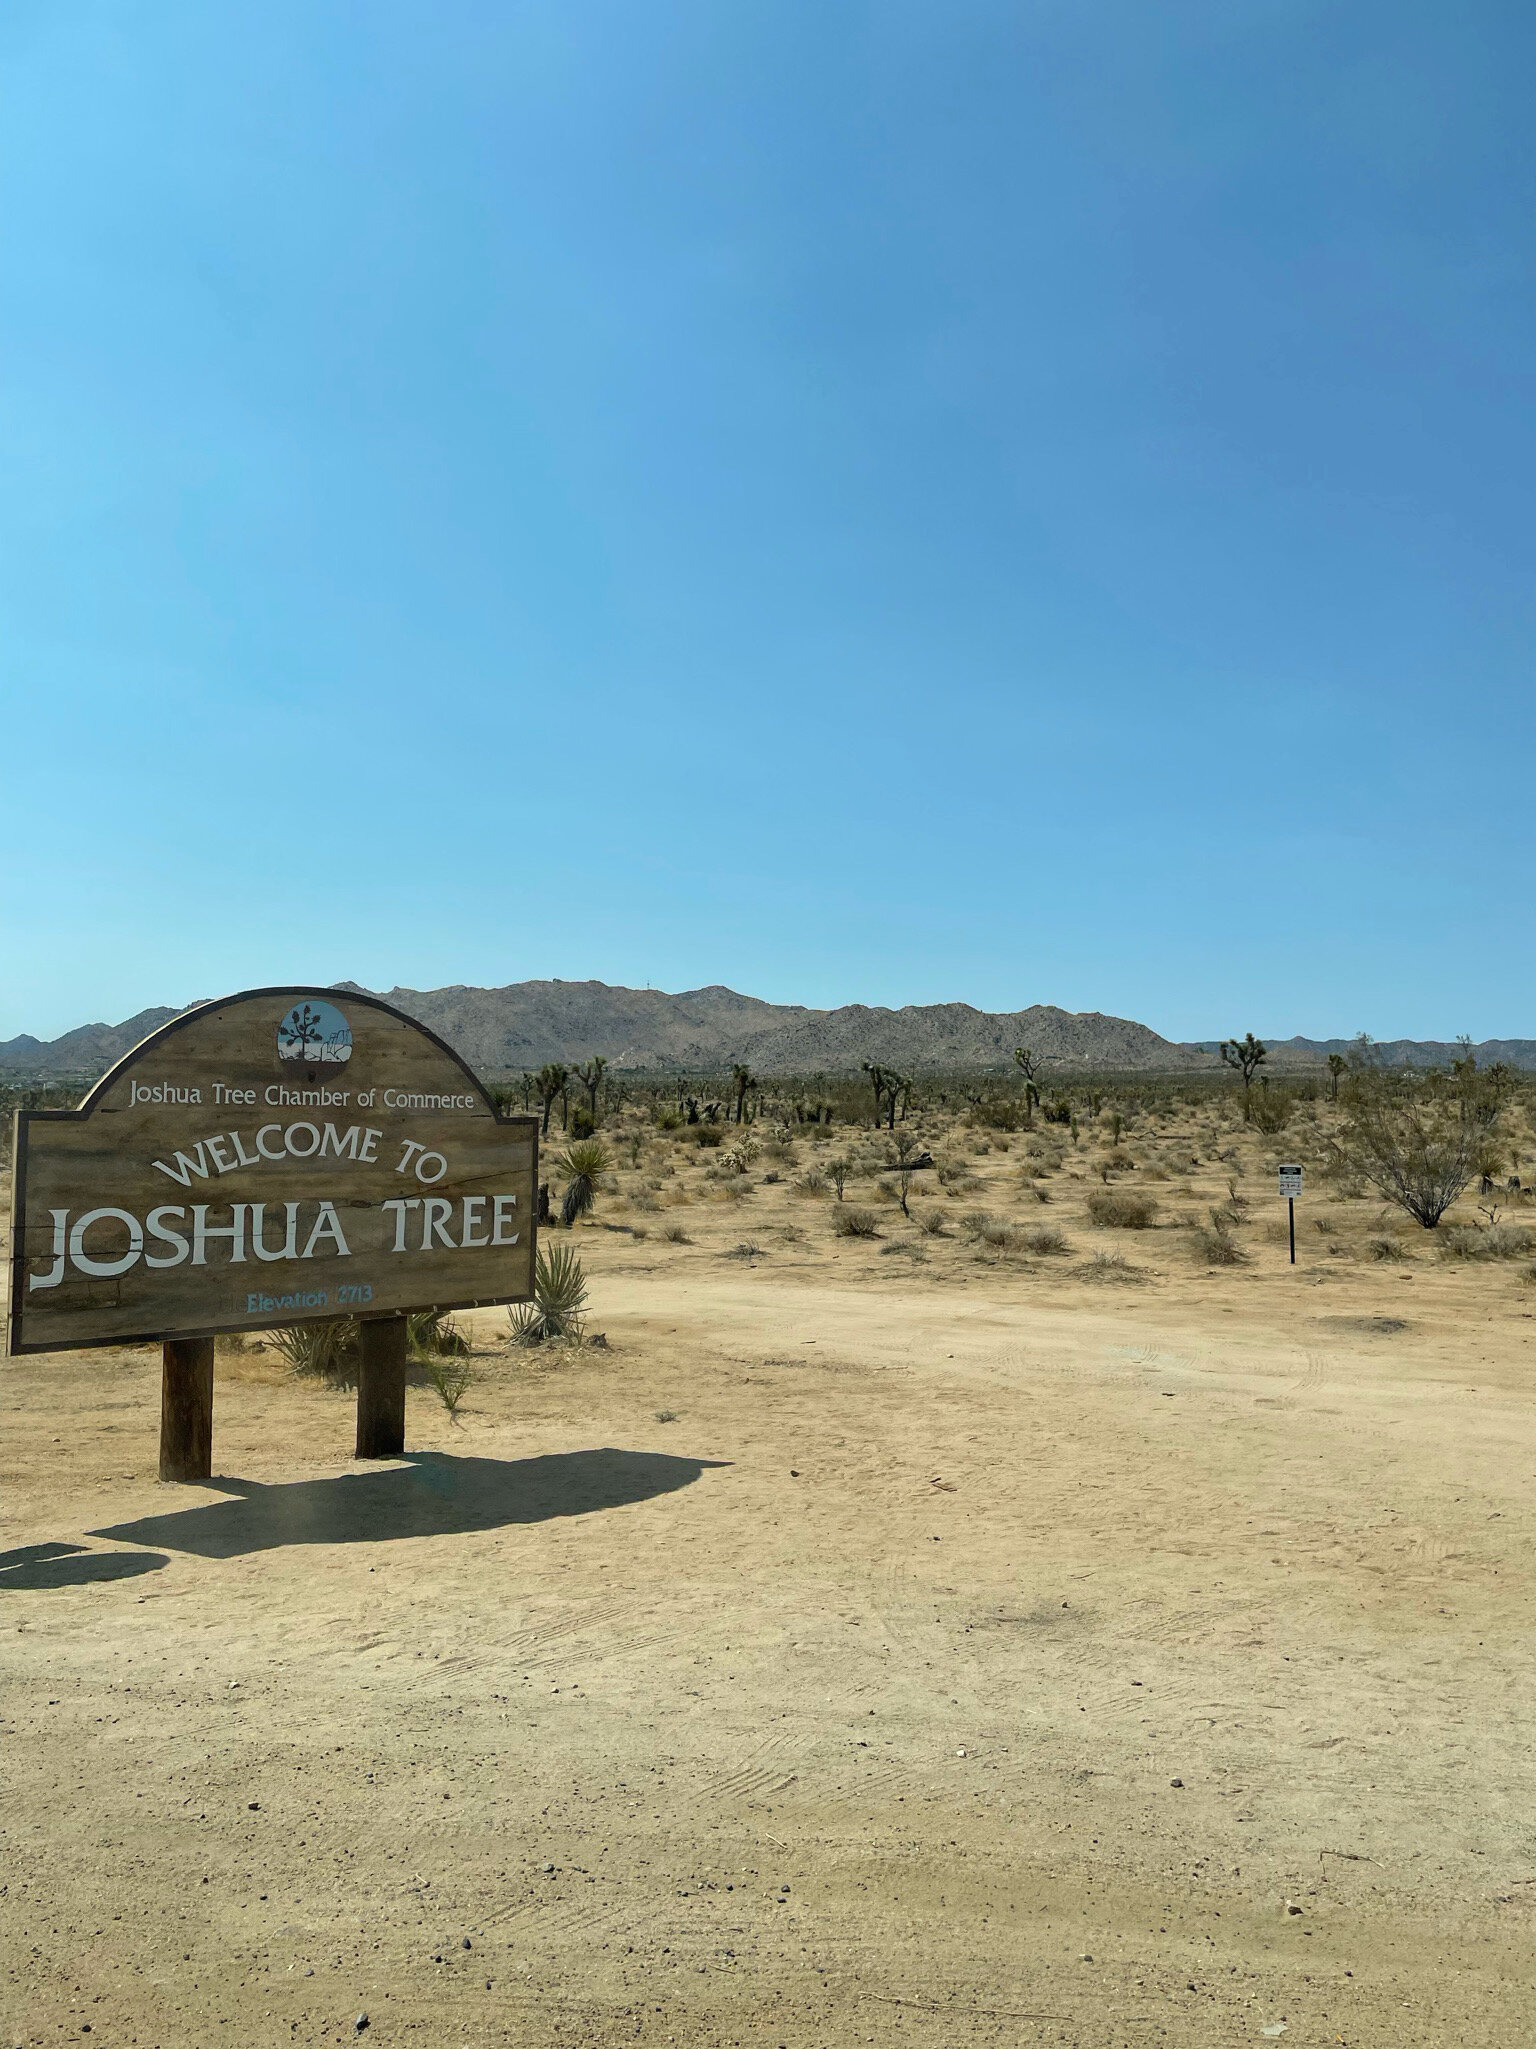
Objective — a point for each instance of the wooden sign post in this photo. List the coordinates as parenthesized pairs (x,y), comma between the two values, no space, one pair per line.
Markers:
(279,1157)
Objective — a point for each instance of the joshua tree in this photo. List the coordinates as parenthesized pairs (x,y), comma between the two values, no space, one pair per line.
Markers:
(590,1075)
(878,1080)
(550,1081)
(1337,1065)
(838,1170)
(898,1085)
(1024,1060)
(742,1079)
(1247,1055)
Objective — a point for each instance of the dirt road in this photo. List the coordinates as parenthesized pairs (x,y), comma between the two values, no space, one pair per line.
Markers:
(948,1669)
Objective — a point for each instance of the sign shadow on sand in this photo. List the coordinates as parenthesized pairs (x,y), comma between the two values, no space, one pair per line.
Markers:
(43,1568)
(428,1494)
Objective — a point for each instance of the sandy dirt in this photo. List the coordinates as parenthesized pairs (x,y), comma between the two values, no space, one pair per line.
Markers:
(852,1651)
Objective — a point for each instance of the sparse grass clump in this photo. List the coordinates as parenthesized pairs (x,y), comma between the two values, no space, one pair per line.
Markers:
(450,1379)
(1110,1267)
(1121,1209)
(932,1222)
(675,1234)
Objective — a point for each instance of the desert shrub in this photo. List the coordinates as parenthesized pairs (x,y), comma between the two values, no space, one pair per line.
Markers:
(675,1235)
(999,1236)
(1217,1246)
(1119,1161)
(1045,1238)
(975,1222)
(559,1298)
(430,1334)
(1385,1248)
(668,1119)
(851,1222)
(931,1222)
(583,1164)
(583,1123)
(1490,1241)
(1122,1209)
(708,1134)
(811,1182)
(325,1351)
(747,1249)
(1413,1138)
(1059,1112)
(1270,1110)
(737,1158)
(1110,1266)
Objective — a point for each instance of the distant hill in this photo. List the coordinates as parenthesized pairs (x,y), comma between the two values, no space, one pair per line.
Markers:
(504,1031)
(87,1051)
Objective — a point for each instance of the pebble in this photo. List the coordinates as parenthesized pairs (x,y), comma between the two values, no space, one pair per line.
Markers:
(360,2023)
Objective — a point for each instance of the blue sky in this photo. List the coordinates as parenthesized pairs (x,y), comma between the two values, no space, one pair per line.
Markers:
(888,503)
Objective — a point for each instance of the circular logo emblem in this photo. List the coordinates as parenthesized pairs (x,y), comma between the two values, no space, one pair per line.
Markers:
(314,1034)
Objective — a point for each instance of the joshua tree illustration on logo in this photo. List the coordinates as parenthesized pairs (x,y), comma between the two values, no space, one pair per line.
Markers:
(298,1030)
(314,1034)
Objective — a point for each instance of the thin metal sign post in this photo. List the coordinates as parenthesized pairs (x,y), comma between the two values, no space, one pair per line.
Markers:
(1291,1178)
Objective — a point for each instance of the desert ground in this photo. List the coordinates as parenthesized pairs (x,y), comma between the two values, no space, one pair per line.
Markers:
(930,1637)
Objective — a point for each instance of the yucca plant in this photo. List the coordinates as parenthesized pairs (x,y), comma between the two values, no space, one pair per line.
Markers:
(326,1350)
(583,1165)
(559,1297)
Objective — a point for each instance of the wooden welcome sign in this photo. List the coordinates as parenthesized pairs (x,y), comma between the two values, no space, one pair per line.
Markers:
(282,1156)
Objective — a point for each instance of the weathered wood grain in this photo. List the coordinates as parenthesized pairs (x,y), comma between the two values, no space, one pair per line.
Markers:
(251,1149)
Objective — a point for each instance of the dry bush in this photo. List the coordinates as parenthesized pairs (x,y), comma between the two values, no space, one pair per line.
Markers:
(1385,1247)
(1416,1140)
(1479,1241)
(1121,1209)
(1217,1246)
(932,1222)
(1110,1266)
(675,1234)
(849,1221)
(811,1182)
(1045,1238)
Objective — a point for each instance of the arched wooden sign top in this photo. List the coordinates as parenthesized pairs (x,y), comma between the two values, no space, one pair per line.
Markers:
(277,1157)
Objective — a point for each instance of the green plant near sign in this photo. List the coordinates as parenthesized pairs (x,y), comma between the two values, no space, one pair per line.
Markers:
(559,1298)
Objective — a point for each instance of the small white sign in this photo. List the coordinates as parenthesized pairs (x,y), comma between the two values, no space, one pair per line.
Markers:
(1290,1181)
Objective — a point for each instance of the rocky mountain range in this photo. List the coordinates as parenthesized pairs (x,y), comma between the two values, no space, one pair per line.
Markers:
(505,1031)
